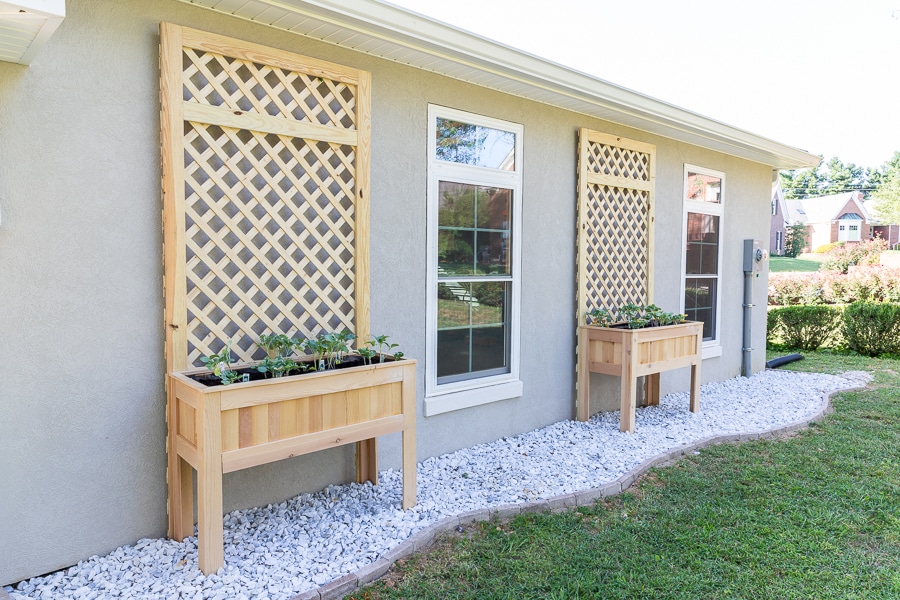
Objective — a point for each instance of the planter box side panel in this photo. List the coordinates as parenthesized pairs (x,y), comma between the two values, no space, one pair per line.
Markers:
(605,352)
(264,423)
(667,349)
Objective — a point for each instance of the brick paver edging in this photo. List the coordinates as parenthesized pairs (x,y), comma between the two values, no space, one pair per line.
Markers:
(348,583)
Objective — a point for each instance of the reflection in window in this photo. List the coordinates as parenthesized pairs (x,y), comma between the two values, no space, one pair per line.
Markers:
(473,329)
(704,188)
(476,145)
(473,229)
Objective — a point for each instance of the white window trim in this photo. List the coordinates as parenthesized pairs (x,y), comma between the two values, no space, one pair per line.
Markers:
(711,348)
(473,392)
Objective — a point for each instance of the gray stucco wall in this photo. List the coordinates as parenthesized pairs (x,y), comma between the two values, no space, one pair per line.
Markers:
(82,454)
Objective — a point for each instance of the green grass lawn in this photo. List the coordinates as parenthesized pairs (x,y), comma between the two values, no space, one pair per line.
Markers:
(813,516)
(804,263)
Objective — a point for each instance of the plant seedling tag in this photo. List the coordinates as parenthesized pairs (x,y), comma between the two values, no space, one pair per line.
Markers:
(245,377)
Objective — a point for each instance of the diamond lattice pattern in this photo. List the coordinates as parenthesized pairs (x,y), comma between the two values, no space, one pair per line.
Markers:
(618,162)
(269,219)
(617,243)
(218,80)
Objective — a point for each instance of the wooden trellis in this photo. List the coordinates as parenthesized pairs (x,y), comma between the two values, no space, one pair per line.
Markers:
(616,184)
(266,161)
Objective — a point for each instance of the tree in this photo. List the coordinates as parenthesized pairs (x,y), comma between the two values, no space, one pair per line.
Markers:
(831,177)
(795,240)
(887,192)
(802,183)
(842,177)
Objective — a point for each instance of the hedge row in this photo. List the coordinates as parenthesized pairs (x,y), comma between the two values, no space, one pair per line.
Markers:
(863,284)
(868,328)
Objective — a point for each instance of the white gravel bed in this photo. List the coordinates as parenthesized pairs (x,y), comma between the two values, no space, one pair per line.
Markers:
(280,550)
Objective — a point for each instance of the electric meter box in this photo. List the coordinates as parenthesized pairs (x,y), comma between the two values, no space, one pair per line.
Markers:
(754,256)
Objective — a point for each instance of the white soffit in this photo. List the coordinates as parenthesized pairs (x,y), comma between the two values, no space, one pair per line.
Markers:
(387,31)
(25,25)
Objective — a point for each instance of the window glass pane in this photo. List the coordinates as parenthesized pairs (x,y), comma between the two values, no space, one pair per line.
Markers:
(473,329)
(475,145)
(453,352)
(489,350)
(454,304)
(456,204)
(494,208)
(464,247)
(456,252)
(704,188)
(702,253)
(700,303)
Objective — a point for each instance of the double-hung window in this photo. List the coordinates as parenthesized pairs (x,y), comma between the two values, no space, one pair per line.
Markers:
(703,213)
(474,231)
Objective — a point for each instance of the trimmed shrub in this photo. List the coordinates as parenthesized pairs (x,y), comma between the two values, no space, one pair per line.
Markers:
(841,258)
(866,284)
(805,327)
(872,328)
(788,289)
(827,247)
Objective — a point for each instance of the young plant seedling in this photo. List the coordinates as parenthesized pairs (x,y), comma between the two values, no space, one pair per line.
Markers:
(220,364)
(383,346)
(278,361)
(599,316)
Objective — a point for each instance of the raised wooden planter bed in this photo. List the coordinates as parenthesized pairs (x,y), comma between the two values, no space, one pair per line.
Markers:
(632,353)
(219,429)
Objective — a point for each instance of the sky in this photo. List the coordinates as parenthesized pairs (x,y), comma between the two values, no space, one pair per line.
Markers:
(820,75)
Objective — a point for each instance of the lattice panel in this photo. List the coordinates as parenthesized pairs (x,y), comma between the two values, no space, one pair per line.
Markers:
(218,80)
(266,217)
(616,181)
(614,161)
(270,240)
(617,247)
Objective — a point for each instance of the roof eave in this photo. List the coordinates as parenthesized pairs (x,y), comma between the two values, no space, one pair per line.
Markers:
(397,34)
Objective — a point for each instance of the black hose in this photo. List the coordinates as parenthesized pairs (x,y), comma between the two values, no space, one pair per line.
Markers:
(783,360)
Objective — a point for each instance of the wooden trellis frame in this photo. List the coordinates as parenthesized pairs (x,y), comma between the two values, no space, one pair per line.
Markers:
(265,188)
(266,212)
(616,194)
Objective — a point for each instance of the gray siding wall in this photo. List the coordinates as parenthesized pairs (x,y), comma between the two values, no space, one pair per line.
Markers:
(82,453)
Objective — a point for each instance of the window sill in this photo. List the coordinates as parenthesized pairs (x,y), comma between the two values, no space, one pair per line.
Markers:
(712,351)
(444,403)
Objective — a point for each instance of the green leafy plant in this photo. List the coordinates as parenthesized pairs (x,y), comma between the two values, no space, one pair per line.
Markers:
(278,361)
(367,354)
(806,327)
(220,364)
(599,317)
(383,346)
(872,328)
(328,349)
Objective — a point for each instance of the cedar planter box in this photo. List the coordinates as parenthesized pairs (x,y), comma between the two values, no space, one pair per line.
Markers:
(219,429)
(632,353)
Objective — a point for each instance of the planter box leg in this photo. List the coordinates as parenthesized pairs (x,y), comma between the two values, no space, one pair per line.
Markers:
(584,379)
(651,389)
(209,489)
(181,501)
(409,468)
(695,388)
(367,461)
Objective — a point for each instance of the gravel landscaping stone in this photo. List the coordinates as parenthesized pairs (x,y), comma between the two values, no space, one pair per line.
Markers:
(320,541)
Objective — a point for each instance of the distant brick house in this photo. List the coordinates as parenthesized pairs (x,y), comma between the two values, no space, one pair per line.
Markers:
(778,226)
(835,218)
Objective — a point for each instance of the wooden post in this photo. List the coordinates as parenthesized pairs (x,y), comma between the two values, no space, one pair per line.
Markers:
(695,387)
(209,487)
(651,389)
(584,376)
(409,436)
(629,385)
(367,461)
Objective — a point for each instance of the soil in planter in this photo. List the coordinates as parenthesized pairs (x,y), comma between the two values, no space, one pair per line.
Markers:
(211,380)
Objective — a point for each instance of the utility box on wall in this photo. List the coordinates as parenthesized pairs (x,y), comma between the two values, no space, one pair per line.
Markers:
(754,256)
